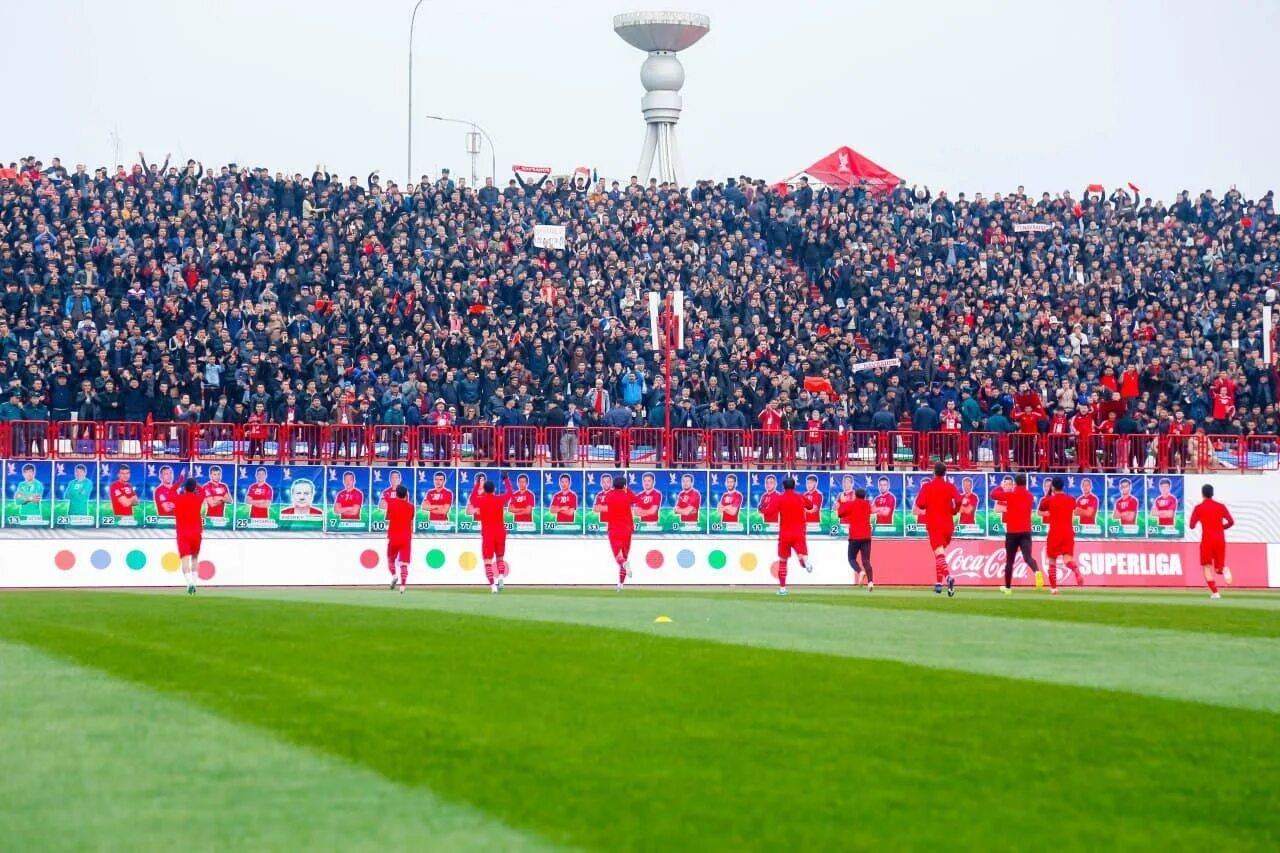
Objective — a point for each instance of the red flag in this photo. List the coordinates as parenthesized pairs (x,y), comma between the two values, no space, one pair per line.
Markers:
(1095,188)
(1134,187)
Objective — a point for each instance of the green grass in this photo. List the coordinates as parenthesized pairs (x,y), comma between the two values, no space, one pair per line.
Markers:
(571,719)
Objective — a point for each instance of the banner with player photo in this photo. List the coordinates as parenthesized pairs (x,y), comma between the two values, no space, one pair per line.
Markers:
(974,509)
(437,499)
(160,487)
(120,486)
(347,499)
(280,497)
(522,509)
(914,522)
(669,501)
(563,502)
(814,487)
(998,484)
(75,495)
(1088,490)
(762,513)
(596,484)
(1166,507)
(382,485)
(1126,501)
(728,497)
(28,495)
(217,483)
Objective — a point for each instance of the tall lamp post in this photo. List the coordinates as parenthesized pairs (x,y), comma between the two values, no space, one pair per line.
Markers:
(493,157)
(408,169)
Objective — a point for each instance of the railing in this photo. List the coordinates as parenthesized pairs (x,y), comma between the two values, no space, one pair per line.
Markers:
(638,447)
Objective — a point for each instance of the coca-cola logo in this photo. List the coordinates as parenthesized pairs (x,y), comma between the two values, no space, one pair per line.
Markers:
(991,566)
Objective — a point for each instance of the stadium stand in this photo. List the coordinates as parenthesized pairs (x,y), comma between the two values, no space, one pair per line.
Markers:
(181,311)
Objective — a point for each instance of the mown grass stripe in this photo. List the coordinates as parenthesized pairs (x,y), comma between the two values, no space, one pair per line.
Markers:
(94,763)
(1219,670)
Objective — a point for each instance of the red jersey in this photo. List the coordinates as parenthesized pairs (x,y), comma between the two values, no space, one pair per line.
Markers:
(1058,426)
(770,420)
(793,509)
(119,492)
(187,517)
(1166,507)
(163,496)
(938,501)
(259,492)
(968,508)
(400,513)
(1087,508)
(857,514)
(1018,502)
(1127,509)
(884,506)
(1029,422)
(437,503)
(565,506)
(489,510)
(1215,518)
(1083,424)
(1059,511)
(813,506)
(769,507)
(601,506)
(648,503)
(521,504)
(688,502)
(616,505)
(219,492)
(387,494)
(730,506)
(950,420)
(347,503)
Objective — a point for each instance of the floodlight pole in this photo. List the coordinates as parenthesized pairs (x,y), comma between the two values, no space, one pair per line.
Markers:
(408,169)
(493,157)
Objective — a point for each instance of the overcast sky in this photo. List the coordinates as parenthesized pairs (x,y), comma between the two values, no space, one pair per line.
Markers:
(979,95)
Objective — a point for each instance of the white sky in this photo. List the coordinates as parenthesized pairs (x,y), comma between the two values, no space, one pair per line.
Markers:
(980,95)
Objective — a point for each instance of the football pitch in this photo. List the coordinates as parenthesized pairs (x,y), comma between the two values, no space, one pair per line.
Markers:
(339,719)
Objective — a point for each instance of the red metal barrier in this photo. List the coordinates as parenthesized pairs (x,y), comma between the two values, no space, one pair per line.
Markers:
(170,441)
(216,443)
(772,449)
(397,444)
(647,447)
(1261,453)
(303,443)
(29,439)
(477,444)
(728,448)
(818,448)
(517,445)
(562,446)
(861,449)
(74,440)
(1060,452)
(949,448)
(603,446)
(346,443)
(687,448)
(263,442)
(437,445)
(122,440)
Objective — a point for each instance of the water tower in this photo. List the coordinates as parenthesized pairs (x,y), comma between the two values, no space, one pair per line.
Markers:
(661,35)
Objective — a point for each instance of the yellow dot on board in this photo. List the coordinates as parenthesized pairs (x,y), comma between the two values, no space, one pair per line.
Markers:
(748,562)
(467,560)
(170,562)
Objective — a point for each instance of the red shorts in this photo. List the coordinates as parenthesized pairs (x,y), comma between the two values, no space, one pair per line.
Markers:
(1213,554)
(493,545)
(1059,546)
(940,538)
(398,552)
(620,543)
(188,544)
(789,544)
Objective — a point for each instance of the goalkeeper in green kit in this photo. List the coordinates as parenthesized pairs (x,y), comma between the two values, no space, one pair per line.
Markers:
(78,492)
(28,493)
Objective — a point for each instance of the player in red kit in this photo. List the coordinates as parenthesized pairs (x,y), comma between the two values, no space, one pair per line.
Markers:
(1166,507)
(489,507)
(1126,508)
(768,504)
(1216,521)
(813,500)
(688,501)
(1017,529)
(730,505)
(792,509)
(564,503)
(939,502)
(349,500)
(216,496)
(123,497)
(1059,510)
(617,505)
(1087,505)
(522,502)
(400,514)
(393,483)
(259,496)
(968,504)
(438,500)
(188,519)
(857,514)
(165,492)
(649,501)
(884,504)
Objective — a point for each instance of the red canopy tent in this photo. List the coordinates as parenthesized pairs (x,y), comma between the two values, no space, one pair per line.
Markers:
(844,168)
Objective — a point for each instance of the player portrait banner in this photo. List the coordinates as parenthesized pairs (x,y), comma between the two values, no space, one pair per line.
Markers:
(975,510)
(1126,502)
(728,497)
(669,501)
(160,486)
(217,483)
(914,526)
(280,497)
(120,487)
(596,484)
(563,501)
(75,495)
(766,491)
(1166,507)
(347,499)
(521,515)
(28,495)
(1088,491)
(436,494)
(819,500)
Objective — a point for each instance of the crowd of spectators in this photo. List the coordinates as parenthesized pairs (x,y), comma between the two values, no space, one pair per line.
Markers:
(178,293)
